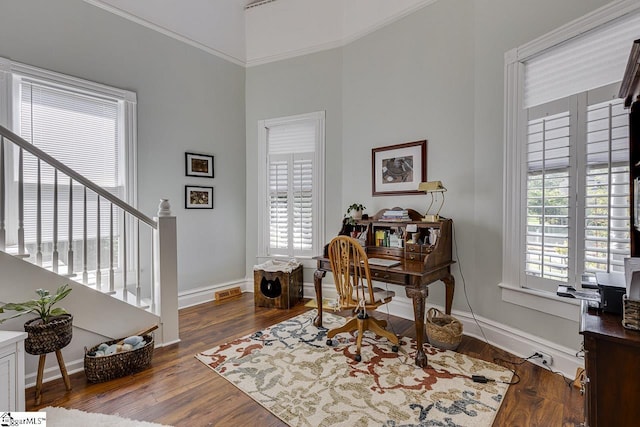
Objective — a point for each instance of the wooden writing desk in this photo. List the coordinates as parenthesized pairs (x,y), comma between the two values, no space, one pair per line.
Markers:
(420,265)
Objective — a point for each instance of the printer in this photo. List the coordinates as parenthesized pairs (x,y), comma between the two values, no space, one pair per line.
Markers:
(612,287)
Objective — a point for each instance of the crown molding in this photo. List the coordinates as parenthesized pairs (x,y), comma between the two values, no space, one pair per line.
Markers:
(261,60)
(295,53)
(166,32)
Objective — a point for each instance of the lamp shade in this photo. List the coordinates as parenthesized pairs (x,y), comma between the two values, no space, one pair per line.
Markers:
(431,187)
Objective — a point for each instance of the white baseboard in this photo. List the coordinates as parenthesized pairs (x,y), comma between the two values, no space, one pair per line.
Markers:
(204,294)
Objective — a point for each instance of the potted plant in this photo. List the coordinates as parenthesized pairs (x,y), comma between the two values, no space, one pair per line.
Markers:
(357,209)
(52,329)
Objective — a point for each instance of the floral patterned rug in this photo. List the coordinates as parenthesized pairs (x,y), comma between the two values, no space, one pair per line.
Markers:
(289,370)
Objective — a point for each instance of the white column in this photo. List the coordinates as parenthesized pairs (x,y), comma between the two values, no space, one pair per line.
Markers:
(166,274)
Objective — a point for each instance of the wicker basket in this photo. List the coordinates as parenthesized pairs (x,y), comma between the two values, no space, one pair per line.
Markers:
(104,368)
(45,338)
(443,331)
(631,314)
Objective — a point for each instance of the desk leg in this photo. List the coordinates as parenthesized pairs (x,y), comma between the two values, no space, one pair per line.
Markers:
(419,297)
(317,284)
(450,284)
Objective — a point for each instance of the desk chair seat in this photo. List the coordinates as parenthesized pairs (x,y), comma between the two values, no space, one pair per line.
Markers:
(351,274)
(379,295)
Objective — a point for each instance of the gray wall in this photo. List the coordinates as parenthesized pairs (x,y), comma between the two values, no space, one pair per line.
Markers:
(437,75)
(188,100)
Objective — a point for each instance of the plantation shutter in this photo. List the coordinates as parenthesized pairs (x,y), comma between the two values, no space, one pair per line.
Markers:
(606,212)
(548,197)
(290,154)
(81,131)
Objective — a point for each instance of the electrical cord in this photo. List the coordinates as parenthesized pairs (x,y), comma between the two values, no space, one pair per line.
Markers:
(464,282)
(481,378)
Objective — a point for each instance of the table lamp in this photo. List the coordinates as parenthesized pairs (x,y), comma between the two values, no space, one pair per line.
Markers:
(431,187)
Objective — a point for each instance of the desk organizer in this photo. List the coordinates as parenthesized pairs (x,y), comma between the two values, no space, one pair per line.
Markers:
(104,368)
(631,314)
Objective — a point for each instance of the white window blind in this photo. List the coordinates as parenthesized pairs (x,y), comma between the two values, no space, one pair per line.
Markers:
(290,158)
(80,130)
(592,60)
(548,197)
(606,211)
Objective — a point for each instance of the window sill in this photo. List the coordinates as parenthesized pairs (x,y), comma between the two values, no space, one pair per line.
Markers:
(545,302)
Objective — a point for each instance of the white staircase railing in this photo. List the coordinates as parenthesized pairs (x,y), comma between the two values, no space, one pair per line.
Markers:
(120,250)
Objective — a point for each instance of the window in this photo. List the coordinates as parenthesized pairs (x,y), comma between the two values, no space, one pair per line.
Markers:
(87,126)
(291,152)
(566,188)
(577,189)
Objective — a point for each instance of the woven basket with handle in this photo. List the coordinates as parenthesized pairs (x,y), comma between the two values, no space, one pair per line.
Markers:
(104,368)
(443,331)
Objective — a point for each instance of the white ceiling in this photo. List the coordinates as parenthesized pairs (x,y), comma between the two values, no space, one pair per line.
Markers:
(275,30)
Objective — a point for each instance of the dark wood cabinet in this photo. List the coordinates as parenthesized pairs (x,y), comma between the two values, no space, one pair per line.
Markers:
(612,368)
(630,92)
(634,166)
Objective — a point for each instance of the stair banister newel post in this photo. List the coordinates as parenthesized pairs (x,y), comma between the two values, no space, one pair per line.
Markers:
(166,272)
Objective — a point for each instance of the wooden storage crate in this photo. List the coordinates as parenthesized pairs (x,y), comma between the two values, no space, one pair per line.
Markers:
(277,289)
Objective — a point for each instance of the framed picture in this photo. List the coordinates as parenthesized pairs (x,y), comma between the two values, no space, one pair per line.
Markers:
(199,165)
(398,169)
(198,197)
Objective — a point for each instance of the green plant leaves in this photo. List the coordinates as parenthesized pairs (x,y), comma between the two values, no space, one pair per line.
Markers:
(43,306)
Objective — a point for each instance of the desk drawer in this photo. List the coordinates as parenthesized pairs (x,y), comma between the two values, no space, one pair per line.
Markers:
(373,251)
(412,247)
(386,276)
(415,256)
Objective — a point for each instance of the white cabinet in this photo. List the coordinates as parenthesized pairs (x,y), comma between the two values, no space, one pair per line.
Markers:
(12,371)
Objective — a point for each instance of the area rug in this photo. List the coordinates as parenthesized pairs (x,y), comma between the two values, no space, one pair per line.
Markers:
(62,417)
(289,370)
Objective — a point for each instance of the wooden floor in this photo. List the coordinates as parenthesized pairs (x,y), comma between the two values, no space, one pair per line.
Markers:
(179,390)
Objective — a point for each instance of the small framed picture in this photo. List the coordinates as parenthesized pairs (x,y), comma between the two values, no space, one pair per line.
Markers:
(198,197)
(399,169)
(199,165)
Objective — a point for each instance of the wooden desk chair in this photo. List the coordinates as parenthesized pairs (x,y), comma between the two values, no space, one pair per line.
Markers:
(350,267)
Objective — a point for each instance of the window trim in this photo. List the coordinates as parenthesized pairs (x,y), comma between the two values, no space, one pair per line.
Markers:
(514,126)
(8,69)
(318,190)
